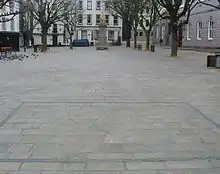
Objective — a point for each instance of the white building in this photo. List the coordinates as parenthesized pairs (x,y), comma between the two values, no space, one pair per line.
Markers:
(12,25)
(87,27)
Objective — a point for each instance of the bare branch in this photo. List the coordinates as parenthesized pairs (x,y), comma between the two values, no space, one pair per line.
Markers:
(210,5)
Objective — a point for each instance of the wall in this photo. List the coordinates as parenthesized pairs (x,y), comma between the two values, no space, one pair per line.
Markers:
(203,14)
(12,25)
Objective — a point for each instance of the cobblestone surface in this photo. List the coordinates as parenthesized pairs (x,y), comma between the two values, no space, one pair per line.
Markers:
(110,112)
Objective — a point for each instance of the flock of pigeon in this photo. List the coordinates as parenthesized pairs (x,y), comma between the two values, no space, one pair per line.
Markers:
(17,56)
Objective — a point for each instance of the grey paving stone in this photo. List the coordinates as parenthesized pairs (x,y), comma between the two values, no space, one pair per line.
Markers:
(111,156)
(59,172)
(25,172)
(190,171)
(215,163)
(145,165)
(105,166)
(9,166)
(4,172)
(74,166)
(119,102)
(140,172)
(41,166)
(188,164)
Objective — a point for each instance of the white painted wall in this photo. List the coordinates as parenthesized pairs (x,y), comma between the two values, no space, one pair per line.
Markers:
(84,26)
(12,25)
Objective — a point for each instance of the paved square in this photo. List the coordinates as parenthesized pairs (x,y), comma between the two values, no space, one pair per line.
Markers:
(113,112)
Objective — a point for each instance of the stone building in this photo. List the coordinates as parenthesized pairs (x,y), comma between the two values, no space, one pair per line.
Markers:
(203,29)
(12,25)
(201,32)
(87,26)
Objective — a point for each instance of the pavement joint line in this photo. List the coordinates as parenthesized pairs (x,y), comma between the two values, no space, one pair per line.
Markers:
(28,160)
(100,102)
(203,115)
(10,115)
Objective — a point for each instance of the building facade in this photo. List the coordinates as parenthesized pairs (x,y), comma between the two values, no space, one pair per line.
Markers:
(12,25)
(87,26)
(202,30)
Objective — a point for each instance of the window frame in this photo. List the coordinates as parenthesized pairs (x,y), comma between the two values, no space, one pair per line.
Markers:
(80,18)
(89,15)
(113,36)
(115,18)
(188,29)
(199,30)
(81,5)
(98,17)
(88,2)
(107,19)
(210,30)
(157,31)
(98,2)
(163,31)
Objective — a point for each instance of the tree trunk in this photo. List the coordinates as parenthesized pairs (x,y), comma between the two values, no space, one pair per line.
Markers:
(44,40)
(127,32)
(128,42)
(135,38)
(71,41)
(174,46)
(147,41)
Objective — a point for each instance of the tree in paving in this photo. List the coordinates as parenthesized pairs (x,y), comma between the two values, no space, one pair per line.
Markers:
(47,13)
(178,12)
(27,24)
(148,18)
(72,18)
(123,8)
(216,5)
(8,15)
(137,7)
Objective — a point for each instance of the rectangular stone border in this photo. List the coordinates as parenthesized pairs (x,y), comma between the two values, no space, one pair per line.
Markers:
(10,115)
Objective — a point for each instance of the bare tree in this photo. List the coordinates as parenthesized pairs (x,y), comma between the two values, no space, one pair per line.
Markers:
(136,8)
(123,8)
(47,13)
(211,5)
(148,18)
(8,15)
(178,12)
(72,18)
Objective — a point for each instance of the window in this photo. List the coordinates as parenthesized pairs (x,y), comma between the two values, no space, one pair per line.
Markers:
(210,29)
(140,33)
(199,30)
(80,19)
(188,31)
(115,20)
(157,32)
(107,19)
(97,19)
(54,28)
(89,5)
(4,24)
(12,25)
(110,35)
(147,23)
(163,30)
(89,19)
(80,4)
(96,34)
(98,5)
(84,34)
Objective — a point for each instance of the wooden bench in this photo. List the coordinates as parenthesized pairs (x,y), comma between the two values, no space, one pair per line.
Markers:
(5,49)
